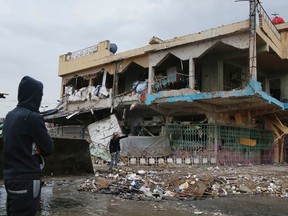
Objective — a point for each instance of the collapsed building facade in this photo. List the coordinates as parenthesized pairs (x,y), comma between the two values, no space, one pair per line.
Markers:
(216,97)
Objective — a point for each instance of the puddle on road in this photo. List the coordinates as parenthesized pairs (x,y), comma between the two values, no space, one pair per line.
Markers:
(60,197)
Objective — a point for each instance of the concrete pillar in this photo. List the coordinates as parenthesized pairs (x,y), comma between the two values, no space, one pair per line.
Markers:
(150,78)
(252,41)
(191,73)
(62,92)
(104,78)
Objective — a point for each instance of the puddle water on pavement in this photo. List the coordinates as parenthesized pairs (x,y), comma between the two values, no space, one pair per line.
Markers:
(60,197)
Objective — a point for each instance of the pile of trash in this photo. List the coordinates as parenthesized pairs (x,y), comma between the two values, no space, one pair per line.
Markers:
(187,183)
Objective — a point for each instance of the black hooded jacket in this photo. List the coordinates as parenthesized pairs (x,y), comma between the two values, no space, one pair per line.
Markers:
(24,128)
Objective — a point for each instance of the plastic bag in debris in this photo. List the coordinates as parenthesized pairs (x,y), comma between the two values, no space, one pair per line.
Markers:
(146,191)
(158,190)
(141,172)
(133,176)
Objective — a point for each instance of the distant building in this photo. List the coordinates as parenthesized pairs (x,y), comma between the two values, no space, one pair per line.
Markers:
(221,95)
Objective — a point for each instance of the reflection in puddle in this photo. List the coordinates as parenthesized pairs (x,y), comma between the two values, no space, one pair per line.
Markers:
(60,197)
(63,202)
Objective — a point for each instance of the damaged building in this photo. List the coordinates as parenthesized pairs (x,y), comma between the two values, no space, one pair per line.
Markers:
(213,97)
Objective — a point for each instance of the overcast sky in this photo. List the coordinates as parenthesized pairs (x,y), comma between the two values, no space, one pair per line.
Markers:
(34,33)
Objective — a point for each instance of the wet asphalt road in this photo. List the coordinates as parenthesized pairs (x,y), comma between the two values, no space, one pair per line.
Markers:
(60,197)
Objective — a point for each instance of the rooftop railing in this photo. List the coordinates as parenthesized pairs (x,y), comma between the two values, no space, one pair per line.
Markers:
(263,13)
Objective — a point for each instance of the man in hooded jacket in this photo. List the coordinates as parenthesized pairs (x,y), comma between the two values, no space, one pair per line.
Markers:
(25,139)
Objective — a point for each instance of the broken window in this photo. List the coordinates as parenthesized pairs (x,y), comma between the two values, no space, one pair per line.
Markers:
(80,88)
(134,79)
(78,82)
(76,88)
(172,73)
(101,85)
(97,79)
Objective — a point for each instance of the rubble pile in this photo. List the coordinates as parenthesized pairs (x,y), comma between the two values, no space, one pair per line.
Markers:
(184,183)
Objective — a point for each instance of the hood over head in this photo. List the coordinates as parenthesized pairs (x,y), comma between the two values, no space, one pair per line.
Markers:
(30,92)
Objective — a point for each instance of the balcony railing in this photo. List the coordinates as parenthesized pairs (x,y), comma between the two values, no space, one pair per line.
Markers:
(264,15)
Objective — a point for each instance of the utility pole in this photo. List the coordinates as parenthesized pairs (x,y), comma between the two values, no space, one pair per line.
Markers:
(252,40)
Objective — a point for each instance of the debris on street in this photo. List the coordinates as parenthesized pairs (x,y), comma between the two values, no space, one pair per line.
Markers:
(189,182)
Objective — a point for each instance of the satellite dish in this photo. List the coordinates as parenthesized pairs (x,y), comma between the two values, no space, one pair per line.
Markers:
(113,48)
(277,20)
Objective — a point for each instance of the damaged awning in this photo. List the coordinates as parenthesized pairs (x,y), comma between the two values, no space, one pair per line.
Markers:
(250,98)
